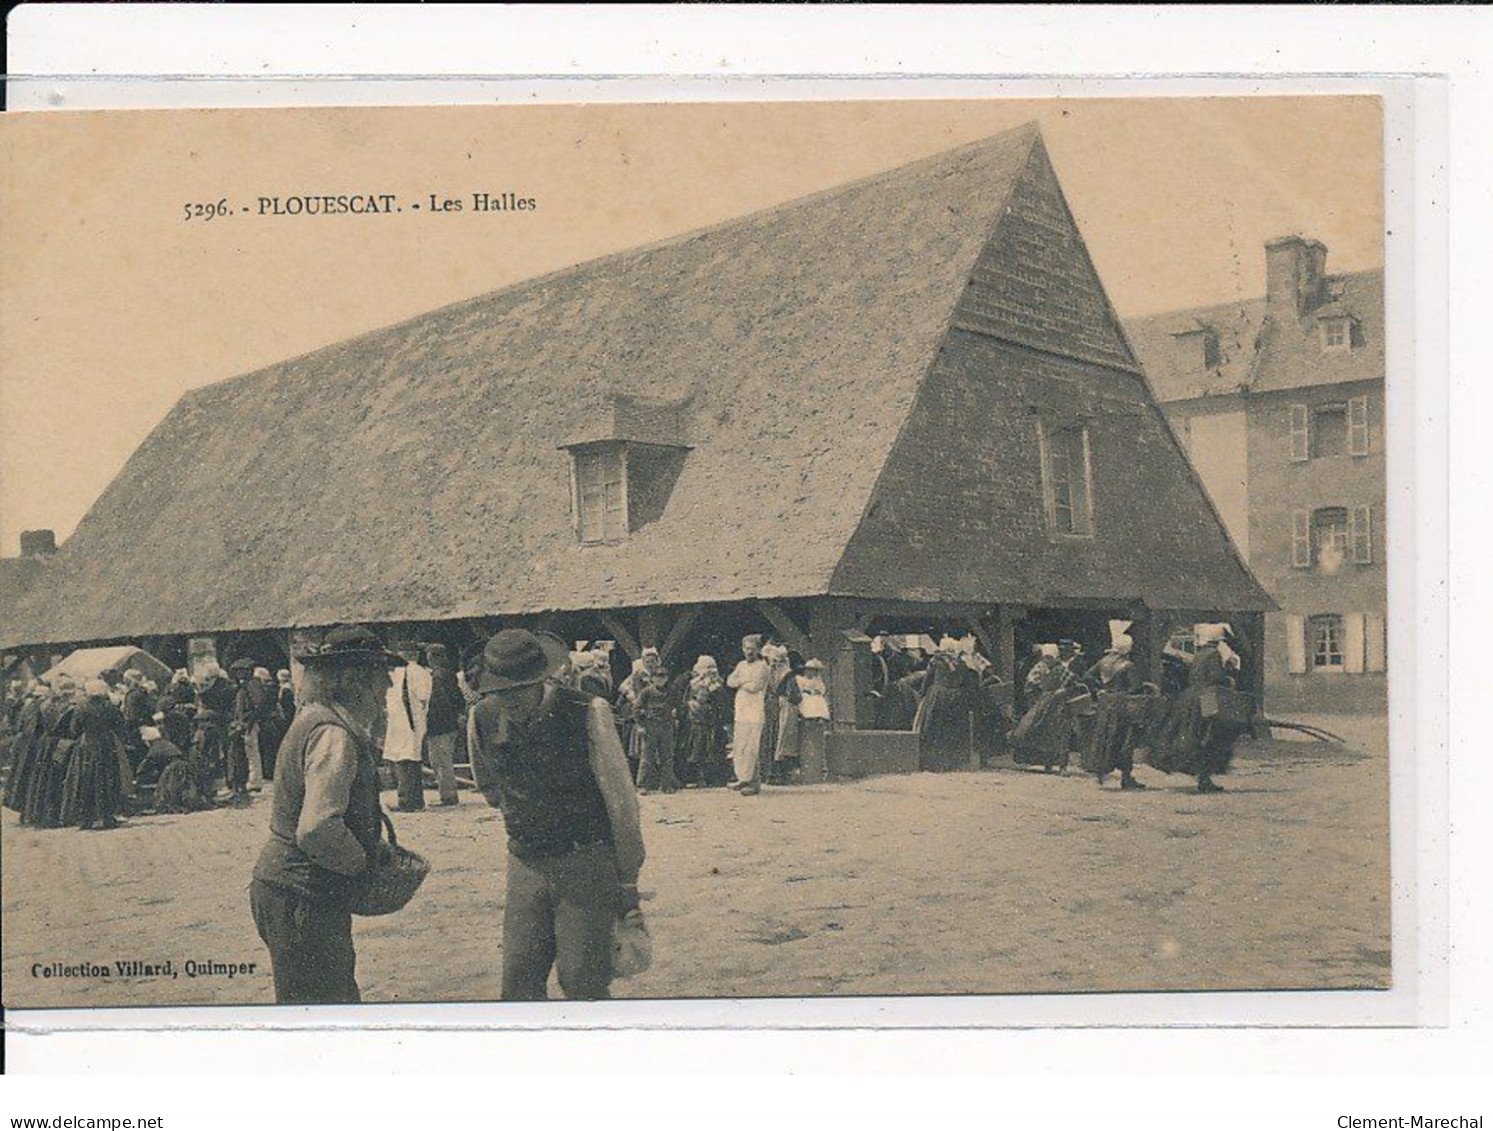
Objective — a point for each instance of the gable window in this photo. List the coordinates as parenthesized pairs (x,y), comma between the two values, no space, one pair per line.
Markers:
(1067,480)
(601,493)
(1336,334)
(1325,634)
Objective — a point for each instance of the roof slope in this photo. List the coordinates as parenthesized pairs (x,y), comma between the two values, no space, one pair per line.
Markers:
(958,513)
(1262,354)
(414,473)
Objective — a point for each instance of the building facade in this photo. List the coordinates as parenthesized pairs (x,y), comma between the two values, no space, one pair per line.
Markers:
(1280,405)
(902,405)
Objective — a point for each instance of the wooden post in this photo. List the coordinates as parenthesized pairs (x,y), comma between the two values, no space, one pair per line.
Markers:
(1005,657)
(620,634)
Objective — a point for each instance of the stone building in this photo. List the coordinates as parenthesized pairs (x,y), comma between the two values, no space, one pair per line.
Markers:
(1280,404)
(904,405)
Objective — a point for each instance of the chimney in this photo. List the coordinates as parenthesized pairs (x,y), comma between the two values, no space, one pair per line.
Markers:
(38,543)
(1295,272)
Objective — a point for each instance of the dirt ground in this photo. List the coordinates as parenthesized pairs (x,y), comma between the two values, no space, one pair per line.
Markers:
(1000,881)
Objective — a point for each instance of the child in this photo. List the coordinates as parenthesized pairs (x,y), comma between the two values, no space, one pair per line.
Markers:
(813,711)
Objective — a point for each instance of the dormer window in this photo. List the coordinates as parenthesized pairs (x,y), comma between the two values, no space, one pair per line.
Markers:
(599,492)
(1337,333)
(623,470)
(1198,348)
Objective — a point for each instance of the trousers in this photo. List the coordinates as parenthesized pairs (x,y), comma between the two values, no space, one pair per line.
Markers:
(746,749)
(238,763)
(442,751)
(311,946)
(251,755)
(560,913)
(409,779)
(656,768)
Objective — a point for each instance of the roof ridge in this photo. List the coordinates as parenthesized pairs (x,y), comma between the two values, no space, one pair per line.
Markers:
(1031,130)
(1184,311)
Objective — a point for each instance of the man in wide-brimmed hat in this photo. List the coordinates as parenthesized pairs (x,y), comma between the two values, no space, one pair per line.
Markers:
(325,821)
(549,757)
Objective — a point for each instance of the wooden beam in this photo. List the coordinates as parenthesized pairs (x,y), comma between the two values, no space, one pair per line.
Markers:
(680,630)
(982,634)
(620,634)
(792,635)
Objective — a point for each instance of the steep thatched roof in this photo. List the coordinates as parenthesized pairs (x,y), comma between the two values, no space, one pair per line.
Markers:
(416,473)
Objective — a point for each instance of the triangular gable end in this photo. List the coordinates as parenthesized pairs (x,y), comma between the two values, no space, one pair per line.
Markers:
(1034,283)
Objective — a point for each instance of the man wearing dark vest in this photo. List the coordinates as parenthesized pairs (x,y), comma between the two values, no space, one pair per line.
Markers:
(550,758)
(325,820)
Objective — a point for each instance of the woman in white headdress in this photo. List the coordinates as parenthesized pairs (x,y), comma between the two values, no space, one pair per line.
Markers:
(1042,736)
(1114,733)
(93,787)
(25,743)
(1196,739)
(705,711)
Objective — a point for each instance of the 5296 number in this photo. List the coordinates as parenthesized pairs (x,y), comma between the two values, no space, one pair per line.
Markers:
(209,211)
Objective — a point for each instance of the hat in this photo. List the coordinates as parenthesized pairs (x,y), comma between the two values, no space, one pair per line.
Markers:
(813,665)
(438,655)
(283,675)
(1208,633)
(1049,651)
(262,673)
(1066,643)
(517,657)
(347,645)
(242,665)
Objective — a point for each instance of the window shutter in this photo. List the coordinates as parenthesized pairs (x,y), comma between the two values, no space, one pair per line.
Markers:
(1353,642)
(1301,539)
(1300,435)
(1358,426)
(1360,536)
(1295,645)
(1373,642)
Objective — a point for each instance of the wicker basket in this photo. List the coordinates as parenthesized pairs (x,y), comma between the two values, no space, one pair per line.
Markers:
(394,882)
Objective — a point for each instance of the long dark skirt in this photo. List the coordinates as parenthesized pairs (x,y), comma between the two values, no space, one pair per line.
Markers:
(179,789)
(23,764)
(1189,743)
(42,806)
(947,729)
(707,754)
(1112,737)
(1042,736)
(92,790)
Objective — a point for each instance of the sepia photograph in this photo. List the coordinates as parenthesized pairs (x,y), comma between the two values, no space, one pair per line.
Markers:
(694,551)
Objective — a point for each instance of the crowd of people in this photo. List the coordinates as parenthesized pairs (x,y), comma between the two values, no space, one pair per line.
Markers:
(81,753)
(764,722)
(1186,721)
